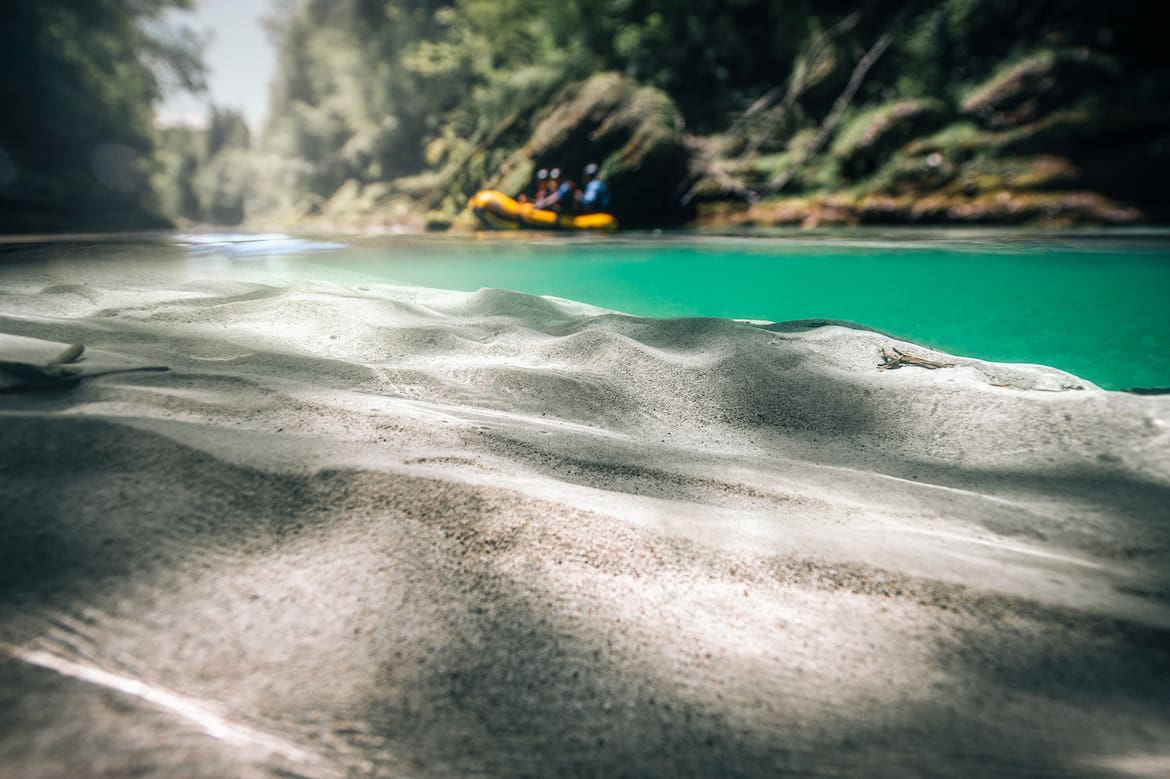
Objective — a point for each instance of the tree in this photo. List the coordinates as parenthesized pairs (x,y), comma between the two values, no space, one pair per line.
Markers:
(80,80)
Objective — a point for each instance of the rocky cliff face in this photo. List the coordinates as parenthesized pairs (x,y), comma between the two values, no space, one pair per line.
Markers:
(935,111)
(1058,136)
(634,133)
(1054,135)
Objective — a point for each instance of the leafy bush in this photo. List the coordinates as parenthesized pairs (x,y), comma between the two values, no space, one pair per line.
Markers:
(878,132)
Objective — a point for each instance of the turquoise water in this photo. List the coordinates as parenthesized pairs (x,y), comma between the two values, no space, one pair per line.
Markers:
(1095,305)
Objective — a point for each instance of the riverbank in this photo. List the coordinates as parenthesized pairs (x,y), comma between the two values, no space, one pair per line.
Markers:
(360,528)
(1003,207)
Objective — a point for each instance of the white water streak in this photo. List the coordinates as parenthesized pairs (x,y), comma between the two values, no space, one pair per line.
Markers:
(191,710)
(994,544)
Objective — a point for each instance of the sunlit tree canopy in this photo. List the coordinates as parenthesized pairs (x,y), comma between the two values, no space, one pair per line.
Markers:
(384,110)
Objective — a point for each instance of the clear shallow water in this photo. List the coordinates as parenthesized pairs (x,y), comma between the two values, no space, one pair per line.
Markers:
(1095,305)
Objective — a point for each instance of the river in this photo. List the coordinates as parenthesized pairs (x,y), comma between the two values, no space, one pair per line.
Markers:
(1093,303)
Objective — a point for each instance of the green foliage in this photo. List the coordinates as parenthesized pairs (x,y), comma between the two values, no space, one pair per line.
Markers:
(78,87)
(207,175)
(957,138)
(222,186)
(179,156)
(1037,83)
(872,125)
(382,108)
(905,174)
(708,55)
(877,132)
(991,174)
(226,129)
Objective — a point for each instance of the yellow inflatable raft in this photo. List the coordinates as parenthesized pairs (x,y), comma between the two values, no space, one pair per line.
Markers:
(497,211)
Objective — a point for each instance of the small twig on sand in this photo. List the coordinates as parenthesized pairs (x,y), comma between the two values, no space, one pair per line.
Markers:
(898,359)
(58,373)
(71,354)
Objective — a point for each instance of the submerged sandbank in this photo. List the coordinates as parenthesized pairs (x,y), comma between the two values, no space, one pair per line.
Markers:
(362,530)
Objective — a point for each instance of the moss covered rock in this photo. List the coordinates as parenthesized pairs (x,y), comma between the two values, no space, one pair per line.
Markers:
(1002,207)
(635,134)
(1026,90)
(872,138)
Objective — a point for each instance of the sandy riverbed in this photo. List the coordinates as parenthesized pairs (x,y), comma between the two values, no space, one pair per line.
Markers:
(371,530)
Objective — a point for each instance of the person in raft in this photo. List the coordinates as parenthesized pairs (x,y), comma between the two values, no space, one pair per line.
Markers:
(595,196)
(562,195)
(539,191)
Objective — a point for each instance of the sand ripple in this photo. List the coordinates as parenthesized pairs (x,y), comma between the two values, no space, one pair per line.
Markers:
(391,531)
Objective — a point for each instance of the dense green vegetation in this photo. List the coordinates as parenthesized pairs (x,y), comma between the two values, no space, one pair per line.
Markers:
(757,111)
(77,137)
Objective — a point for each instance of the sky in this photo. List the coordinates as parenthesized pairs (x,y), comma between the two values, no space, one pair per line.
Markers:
(240,62)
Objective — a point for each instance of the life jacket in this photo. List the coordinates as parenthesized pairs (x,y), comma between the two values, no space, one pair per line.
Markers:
(596,196)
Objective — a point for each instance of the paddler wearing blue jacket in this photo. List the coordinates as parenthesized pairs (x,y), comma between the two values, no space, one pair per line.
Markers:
(595,196)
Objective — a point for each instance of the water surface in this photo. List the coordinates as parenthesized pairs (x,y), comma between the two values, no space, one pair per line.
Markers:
(1094,304)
